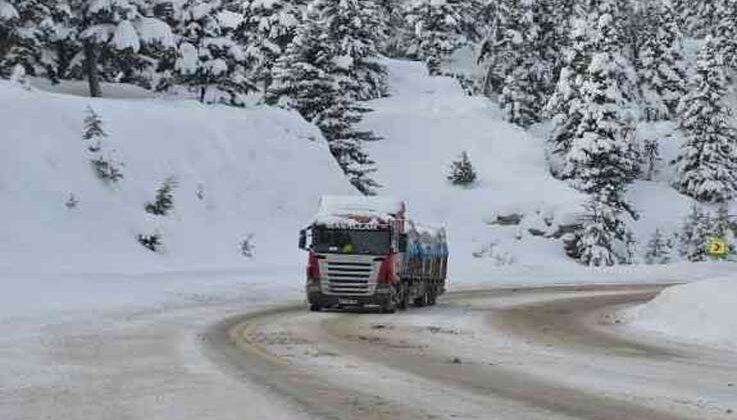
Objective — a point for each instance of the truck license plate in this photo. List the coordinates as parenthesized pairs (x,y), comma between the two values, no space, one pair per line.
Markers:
(348,301)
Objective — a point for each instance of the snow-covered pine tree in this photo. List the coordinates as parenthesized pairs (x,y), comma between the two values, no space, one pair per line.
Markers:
(706,166)
(694,235)
(338,125)
(437,28)
(92,131)
(604,239)
(269,27)
(650,159)
(210,62)
(115,35)
(307,79)
(725,225)
(513,54)
(564,104)
(393,29)
(105,166)
(164,201)
(354,29)
(500,47)
(725,32)
(702,16)
(594,126)
(659,249)
(462,171)
(19,44)
(555,23)
(660,62)
(304,76)
(58,36)
(9,23)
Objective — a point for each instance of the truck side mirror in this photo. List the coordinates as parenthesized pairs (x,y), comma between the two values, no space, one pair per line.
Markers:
(403,242)
(302,239)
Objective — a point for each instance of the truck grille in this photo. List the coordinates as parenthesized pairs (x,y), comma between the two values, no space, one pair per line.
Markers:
(349,277)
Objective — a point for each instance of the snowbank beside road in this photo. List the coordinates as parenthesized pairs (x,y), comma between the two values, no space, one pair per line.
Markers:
(704,312)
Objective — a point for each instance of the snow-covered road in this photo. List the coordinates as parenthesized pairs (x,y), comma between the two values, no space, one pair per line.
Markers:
(547,353)
(553,352)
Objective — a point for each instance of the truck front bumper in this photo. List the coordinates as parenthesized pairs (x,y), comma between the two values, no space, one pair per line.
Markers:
(382,296)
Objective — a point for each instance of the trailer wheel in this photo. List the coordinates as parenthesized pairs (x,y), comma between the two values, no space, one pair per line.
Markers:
(422,300)
(432,296)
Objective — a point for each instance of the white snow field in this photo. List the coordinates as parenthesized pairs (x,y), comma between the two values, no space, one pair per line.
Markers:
(704,312)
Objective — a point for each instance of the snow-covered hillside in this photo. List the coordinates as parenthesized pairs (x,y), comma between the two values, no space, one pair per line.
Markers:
(428,121)
(238,172)
(261,171)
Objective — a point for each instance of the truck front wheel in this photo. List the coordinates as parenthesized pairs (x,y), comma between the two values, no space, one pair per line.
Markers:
(403,297)
(389,307)
(314,307)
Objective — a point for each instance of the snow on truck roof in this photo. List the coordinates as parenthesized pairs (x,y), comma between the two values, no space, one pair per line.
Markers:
(358,210)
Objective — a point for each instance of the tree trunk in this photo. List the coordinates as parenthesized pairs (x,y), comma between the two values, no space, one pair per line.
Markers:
(90,67)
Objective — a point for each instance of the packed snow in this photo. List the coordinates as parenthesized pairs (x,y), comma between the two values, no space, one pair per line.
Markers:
(704,312)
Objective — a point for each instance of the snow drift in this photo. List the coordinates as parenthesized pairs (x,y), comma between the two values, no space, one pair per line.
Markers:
(704,312)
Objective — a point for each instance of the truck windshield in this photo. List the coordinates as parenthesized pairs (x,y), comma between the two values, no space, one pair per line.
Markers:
(344,241)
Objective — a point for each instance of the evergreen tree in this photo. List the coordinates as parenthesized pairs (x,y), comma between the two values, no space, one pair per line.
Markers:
(164,201)
(724,32)
(564,103)
(105,166)
(210,62)
(462,171)
(650,159)
(694,235)
(706,167)
(593,133)
(659,249)
(392,29)
(305,76)
(9,22)
(308,79)
(604,239)
(725,228)
(58,36)
(514,55)
(269,26)
(115,36)
(354,30)
(660,60)
(19,44)
(437,29)
(602,151)
(701,17)
(338,124)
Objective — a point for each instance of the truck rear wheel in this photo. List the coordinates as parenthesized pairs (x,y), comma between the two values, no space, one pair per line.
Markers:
(422,300)
(432,296)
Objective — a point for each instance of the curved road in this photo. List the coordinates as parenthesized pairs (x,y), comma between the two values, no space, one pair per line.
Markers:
(529,353)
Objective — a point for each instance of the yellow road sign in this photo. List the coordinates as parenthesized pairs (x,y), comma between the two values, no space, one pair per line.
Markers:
(718,247)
